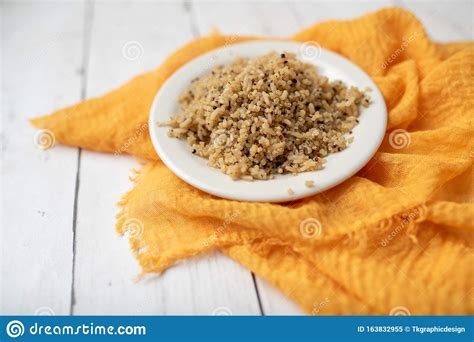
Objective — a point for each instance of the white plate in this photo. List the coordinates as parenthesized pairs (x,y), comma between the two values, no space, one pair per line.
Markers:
(177,156)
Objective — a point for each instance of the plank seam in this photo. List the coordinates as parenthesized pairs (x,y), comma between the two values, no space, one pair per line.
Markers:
(86,46)
(260,306)
(188,7)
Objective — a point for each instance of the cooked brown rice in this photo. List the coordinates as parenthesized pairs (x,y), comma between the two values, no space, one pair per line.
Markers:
(274,114)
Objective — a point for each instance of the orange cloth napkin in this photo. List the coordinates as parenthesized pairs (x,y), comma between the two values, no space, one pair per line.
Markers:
(397,237)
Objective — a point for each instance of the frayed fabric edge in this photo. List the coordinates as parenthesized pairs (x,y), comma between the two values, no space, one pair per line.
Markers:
(405,221)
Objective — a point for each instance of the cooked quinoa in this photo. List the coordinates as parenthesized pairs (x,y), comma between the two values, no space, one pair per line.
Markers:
(274,114)
(309,183)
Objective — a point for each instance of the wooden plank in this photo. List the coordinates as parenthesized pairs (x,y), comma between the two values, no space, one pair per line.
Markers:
(252,18)
(255,18)
(105,268)
(229,17)
(445,21)
(41,64)
(310,12)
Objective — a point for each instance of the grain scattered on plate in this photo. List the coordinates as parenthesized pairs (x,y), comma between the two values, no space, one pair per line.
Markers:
(309,183)
(274,114)
(290,191)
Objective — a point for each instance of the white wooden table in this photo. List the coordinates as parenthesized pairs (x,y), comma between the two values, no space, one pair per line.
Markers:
(59,250)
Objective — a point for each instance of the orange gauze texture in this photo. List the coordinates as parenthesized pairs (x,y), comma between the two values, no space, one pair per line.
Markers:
(399,233)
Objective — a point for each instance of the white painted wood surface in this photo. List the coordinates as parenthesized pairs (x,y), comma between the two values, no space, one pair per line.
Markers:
(40,72)
(59,250)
